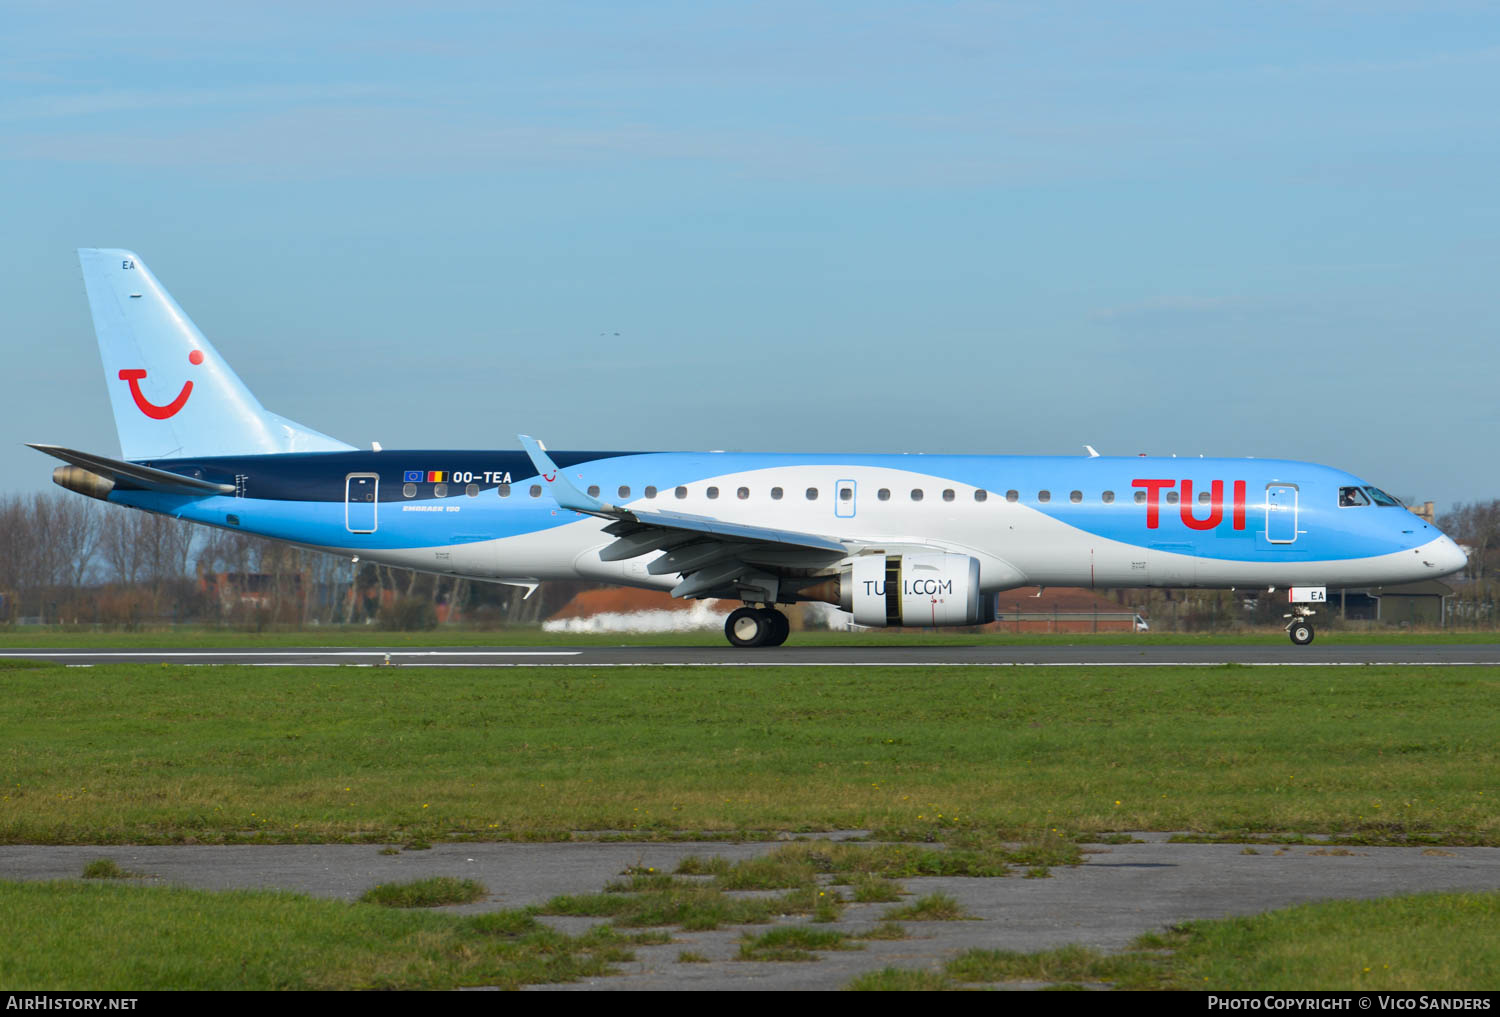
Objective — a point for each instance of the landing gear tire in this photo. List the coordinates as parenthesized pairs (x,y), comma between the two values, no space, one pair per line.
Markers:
(1301,633)
(746,626)
(780,627)
(750,626)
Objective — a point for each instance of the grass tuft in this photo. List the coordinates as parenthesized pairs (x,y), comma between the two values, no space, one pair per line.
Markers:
(793,943)
(107,868)
(902,980)
(935,907)
(875,890)
(436,891)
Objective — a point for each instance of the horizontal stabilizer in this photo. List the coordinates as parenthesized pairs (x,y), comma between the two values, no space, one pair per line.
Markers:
(133,474)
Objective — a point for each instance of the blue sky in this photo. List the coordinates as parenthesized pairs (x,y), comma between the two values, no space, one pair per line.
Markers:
(1229,229)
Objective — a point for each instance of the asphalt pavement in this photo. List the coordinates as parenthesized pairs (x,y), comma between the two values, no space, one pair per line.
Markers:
(1120,892)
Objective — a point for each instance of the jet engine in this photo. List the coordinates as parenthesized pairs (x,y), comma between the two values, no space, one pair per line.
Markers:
(909,589)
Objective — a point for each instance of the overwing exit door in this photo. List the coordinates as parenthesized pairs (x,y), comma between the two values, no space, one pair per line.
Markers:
(843,500)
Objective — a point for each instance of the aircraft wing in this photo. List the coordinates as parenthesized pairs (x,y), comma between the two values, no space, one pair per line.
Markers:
(714,557)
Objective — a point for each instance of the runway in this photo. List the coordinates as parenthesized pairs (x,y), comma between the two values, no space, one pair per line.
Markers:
(596,656)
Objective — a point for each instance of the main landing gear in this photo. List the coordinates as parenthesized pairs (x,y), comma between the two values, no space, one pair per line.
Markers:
(757,626)
(1299,628)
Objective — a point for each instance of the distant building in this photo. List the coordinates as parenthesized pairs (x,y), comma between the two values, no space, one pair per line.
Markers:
(1421,604)
(1061,609)
(1424,512)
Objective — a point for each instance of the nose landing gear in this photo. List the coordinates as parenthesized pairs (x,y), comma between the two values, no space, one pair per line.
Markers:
(1299,628)
(756,626)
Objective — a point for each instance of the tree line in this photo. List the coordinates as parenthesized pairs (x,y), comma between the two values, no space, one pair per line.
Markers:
(70,560)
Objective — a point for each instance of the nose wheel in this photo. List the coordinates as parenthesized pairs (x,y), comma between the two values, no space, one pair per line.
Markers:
(1299,628)
(756,626)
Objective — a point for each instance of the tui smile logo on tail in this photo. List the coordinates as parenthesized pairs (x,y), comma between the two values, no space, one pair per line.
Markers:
(150,409)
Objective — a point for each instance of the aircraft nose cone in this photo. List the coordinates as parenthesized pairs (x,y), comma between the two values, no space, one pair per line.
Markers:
(1451,557)
(1442,557)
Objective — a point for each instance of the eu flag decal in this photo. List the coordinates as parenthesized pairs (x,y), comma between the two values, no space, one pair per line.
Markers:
(412,477)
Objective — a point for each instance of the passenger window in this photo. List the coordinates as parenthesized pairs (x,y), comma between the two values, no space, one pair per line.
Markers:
(776,493)
(409,490)
(846,494)
(742,493)
(593,490)
(440,490)
(1172,497)
(1075,497)
(503,490)
(884,494)
(1140,497)
(536,490)
(624,491)
(980,494)
(1012,495)
(948,494)
(916,494)
(812,494)
(713,492)
(1352,496)
(1044,496)
(650,491)
(1203,497)
(1107,497)
(472,490)
(681,492)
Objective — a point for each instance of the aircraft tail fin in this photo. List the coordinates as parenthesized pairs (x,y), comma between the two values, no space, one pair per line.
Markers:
(173,395)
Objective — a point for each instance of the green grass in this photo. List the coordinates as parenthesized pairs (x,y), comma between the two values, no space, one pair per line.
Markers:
(794,943)
(868,867)
(161,754)
(875,890)
(433,892)
(902,980)
(935,907)
(1427,942)
(122,937)
(693,907)
(107,868)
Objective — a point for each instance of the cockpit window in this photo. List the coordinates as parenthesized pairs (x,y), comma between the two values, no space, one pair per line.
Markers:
(1381,498)
(1351,496)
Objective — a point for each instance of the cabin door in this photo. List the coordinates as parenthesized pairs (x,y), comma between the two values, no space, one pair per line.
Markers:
(1281,513)
(360,501)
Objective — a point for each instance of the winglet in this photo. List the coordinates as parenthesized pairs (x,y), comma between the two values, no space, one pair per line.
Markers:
(561,488)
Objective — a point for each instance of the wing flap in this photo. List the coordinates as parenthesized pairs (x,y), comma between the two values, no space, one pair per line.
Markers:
(714,557)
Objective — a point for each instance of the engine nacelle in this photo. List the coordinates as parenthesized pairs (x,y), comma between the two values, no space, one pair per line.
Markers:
(915,589)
